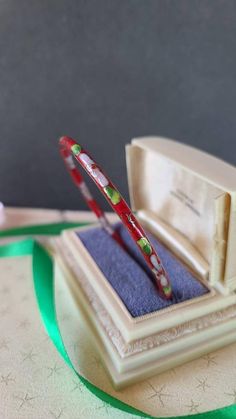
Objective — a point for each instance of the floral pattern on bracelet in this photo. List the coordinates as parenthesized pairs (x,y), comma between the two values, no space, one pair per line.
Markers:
(68,146)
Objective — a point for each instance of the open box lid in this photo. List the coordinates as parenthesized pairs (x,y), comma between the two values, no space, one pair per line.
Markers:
(188,198)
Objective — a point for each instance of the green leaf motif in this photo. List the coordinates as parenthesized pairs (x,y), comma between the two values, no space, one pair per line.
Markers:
(112,194)
(167,290)
(145,245)
(76,149)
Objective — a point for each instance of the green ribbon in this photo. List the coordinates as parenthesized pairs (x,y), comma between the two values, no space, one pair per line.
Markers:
(43,278)
(39,229)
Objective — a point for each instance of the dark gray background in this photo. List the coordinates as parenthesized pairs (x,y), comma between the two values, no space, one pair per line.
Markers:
(106,71)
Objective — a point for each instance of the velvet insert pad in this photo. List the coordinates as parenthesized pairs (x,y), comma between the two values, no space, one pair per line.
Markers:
(129,275)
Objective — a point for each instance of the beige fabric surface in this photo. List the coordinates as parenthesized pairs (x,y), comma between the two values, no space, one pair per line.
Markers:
(36,383)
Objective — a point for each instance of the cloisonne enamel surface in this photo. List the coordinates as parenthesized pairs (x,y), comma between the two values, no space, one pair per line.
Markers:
(68,146)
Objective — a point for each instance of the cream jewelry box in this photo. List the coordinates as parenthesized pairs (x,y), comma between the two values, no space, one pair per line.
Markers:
(186,201)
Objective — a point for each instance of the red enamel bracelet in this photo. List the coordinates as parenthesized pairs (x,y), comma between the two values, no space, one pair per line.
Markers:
(69,148)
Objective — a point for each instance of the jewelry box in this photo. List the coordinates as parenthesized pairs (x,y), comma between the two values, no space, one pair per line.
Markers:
(186,201)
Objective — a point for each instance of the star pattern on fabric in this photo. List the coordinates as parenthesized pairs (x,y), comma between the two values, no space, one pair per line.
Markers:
(65,317)
(28,356)
(210,360)
(193,407)
(5,290)
(232,395)
(96,361)
(25,400)
(24,324)
(4,311)
(202,384)
(159,393)
(57,415)
(25,298)
(6,379)
(54,370)
(75,345)
(78,385)
(46,337)
(173,371)
(4,344)
(104,406)
(20,379)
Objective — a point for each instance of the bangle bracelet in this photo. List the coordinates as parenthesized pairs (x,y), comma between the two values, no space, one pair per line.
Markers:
(69,148)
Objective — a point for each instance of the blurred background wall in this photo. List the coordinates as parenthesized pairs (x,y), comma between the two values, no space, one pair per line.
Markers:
(106,71)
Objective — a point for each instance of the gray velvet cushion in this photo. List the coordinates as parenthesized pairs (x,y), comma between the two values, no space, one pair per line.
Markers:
(130,277)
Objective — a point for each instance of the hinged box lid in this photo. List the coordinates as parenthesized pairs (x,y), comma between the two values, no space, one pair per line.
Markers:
(188,198)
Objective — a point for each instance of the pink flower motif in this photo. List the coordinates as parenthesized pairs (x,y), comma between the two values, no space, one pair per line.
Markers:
(99,176)
(163,281)
(155,263)
(94,170)
(87,161)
